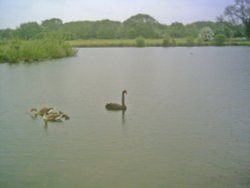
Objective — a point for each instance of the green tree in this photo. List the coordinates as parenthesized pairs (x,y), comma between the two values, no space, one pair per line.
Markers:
(106,29)
(141,25)
(28,30)
(239,12)
(53,24)
(6,33)
(194,28)
(177,30)
(80,29)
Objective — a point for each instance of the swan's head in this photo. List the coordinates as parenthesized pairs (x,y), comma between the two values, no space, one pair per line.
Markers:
(65,116)
(124,92)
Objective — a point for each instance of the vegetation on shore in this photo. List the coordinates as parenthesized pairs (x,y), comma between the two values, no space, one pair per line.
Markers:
(54,39)
(165,42)
(139,25)
(16,50)
(50,47)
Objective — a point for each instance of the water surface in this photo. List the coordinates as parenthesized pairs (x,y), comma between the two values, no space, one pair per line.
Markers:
(187,123)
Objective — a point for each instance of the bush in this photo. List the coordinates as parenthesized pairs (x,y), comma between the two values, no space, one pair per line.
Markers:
(220,39)
(190,41)
(140,42)
(199,42)
(166,41)
(173,42)
(34,50)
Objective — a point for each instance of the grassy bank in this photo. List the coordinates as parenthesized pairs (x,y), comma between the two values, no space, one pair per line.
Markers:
(155,42)
(113,43)
(16,50)
(102,43)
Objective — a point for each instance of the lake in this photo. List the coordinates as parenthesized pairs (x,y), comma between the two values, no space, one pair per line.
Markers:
(187,122)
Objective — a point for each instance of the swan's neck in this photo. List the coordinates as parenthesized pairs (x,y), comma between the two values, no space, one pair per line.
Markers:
(123,99)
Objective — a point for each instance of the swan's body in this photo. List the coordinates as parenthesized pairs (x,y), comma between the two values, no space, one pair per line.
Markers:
(55,117)
(65,116)
(52,117)
(116,106)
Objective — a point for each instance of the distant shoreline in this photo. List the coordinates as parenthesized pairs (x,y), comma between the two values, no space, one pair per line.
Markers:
(181,42)
(16,50)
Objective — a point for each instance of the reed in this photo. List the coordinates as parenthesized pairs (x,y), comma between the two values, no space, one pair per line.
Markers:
(16,50)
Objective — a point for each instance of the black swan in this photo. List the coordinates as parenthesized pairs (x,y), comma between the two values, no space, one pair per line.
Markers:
(115,106)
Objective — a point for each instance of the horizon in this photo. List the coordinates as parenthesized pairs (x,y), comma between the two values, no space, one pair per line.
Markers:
(64,22)
(14,12)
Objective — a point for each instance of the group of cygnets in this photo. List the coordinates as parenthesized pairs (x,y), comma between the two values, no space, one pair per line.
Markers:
(49,114)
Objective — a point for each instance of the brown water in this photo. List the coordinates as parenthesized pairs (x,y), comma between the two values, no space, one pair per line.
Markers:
(187,123)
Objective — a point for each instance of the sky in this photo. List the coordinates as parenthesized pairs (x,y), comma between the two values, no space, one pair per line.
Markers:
(15,12)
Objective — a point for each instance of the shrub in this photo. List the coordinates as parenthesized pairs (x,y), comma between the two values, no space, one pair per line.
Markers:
(140,42)
(190,41)
(166,41)
(220,39)
(173,42)
(34,50)
(199,41)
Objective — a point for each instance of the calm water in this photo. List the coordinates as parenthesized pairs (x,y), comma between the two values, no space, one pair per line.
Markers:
(187,123)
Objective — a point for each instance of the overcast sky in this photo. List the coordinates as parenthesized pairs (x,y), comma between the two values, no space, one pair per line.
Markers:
(15,12)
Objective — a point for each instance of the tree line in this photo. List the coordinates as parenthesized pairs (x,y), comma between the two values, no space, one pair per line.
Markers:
(140,25)
(233,23)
